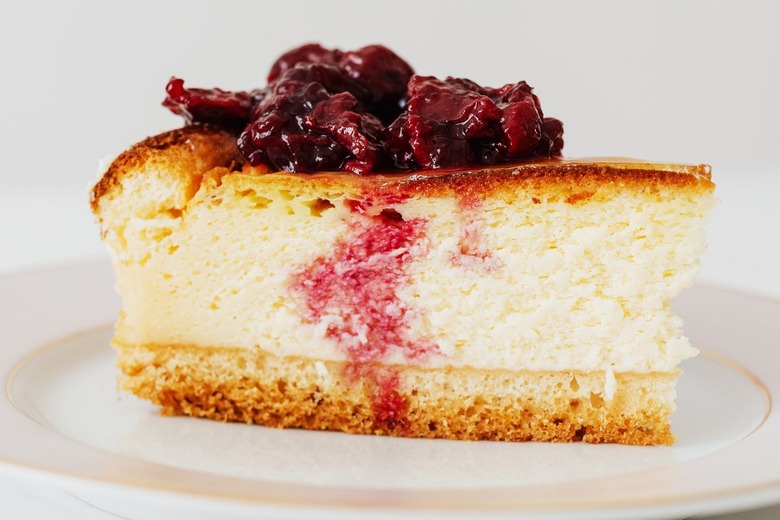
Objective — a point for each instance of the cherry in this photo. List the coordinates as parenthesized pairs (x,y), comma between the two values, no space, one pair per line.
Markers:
(365,110)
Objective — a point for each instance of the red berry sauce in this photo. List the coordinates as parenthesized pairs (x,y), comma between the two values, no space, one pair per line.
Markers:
(366,110)
(390,407)
(455,122)
(212,106)
(354,291)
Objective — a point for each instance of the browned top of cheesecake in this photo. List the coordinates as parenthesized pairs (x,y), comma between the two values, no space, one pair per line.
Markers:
(190,152)
(363,123)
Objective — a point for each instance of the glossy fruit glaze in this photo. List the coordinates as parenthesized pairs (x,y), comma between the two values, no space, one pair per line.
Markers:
(366,110)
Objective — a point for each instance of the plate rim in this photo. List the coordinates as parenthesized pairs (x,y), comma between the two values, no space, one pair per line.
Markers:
(763,493)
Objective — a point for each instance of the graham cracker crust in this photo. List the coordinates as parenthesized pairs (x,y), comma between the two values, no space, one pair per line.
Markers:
(252,386)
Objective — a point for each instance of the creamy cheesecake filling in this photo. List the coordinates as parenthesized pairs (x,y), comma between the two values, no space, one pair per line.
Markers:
(533,284)
(351,293)
(567,285)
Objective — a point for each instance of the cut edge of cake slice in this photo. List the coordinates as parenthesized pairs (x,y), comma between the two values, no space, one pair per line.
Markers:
(517,302)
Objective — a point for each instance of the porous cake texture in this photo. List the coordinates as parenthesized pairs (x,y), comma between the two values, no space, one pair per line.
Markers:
(517,302)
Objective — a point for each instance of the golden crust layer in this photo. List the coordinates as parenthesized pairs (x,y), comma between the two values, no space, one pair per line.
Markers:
(189,151)
(229,384)
(196,150)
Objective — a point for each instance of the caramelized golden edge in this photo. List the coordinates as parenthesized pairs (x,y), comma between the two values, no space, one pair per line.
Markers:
(199,149)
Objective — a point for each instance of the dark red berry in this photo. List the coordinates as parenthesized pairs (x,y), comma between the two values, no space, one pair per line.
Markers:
(360,134)
(309,53)
(229,109)
(328,76)
(551,143)
(455,122)
(364,110)
(310,120)
(384,74)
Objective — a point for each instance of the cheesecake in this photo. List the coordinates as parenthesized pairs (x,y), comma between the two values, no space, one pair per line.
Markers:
(358,248)
(518,302)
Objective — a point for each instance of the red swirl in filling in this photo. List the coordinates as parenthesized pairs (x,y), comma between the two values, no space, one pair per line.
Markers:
(353,291)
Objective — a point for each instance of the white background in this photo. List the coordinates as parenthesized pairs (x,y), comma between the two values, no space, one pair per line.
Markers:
(667,81)
(677,81)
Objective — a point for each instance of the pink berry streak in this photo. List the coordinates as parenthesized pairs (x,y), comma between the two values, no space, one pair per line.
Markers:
(354,292)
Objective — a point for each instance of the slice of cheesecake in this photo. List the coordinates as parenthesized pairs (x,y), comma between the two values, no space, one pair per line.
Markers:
(517,302)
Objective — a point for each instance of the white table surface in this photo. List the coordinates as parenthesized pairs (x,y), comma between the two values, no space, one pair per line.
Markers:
(41,226)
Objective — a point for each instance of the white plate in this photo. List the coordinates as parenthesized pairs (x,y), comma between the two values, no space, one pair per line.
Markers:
(62,421)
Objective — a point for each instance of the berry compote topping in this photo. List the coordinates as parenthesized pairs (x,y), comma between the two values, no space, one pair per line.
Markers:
(365,110)
(212,106)
(384,74)
(309,53)
(313,118)
(381,74)
(455,122)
